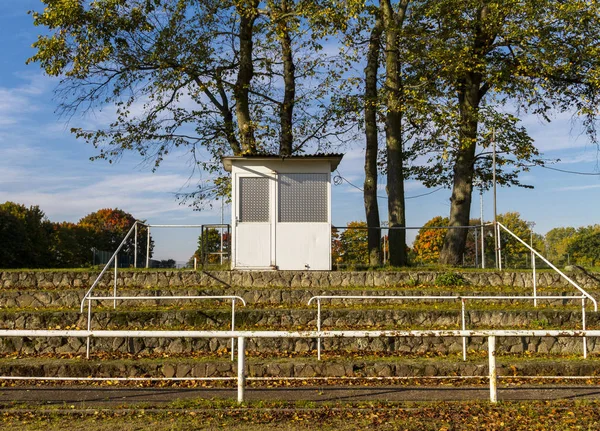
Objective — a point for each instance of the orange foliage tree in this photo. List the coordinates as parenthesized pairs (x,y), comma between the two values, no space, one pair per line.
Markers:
(429,242)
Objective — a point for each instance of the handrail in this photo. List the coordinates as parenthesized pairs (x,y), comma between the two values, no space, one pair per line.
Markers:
(242,335)
(450,297)
(114,256)
(590,297)
(233,298)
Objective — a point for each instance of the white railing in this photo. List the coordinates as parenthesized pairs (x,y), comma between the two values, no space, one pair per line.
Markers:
(463,300)
(134,229)
(243,335)
(534,253)
(233,298)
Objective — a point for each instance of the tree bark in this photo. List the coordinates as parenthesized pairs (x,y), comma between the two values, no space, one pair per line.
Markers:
(248,12)
(289,80)
(392,22)
(372,146)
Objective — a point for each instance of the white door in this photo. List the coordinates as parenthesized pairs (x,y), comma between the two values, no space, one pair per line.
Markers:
(253,221)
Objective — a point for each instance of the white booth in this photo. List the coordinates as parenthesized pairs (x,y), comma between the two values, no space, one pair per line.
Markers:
(281,211)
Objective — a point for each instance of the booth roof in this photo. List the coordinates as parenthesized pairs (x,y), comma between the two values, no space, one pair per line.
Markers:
(334,159)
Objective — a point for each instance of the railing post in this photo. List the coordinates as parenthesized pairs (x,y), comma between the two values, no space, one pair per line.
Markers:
(492,369)
(135,253)
(476,250)
(232,328)
(148,247)
(499,250)
(241,369)
(115,284)
(89,328)
(583,326)
(464,327)
(319,328)
(534,280)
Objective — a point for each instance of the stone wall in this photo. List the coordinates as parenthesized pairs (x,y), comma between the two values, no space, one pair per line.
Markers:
(287,279)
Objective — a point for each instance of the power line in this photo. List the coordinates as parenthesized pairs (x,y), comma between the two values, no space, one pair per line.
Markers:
(338,179)
(571,172)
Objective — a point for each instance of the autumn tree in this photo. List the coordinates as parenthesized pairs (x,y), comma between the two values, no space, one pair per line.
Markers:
(106,229)
(352,248)
(557,243)
(428,242)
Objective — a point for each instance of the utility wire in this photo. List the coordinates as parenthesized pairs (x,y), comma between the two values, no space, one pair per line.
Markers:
(338,179)
(571,172)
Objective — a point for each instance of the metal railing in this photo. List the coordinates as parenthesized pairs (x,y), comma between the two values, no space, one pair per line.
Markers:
(463,300)
(241,336)
(534,253)
(233,298)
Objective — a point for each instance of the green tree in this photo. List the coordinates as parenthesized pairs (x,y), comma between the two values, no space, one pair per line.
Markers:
(25,235)
(353,244)
(69,245)
(584,247)
(539,55)
(210,242)
(557,242)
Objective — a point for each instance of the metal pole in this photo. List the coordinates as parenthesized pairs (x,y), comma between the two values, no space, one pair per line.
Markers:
(195,263)
(241,369)
(319,329)
(89,328)
(464,327)
(221,229)
(492,370)
(534,281)
(115,285)
(583,324)
(496,239)
(476,250)
(233,328)
(482,231)
(148,248)
(135,246)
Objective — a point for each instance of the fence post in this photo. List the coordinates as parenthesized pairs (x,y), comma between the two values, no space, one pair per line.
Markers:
(115,285)
(319,328)
(148,247)
(534,280)
(135,246)
(89,328)
(499,250)
(241,369)
(464,327)
(492,368)
(232,328)
(583,325)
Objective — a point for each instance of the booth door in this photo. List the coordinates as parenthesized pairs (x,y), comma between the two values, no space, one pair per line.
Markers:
(253,221)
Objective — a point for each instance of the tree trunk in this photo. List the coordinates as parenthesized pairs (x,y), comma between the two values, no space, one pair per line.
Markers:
(393,128)
(470,93)
(372,146)
(248,12)
(289,80)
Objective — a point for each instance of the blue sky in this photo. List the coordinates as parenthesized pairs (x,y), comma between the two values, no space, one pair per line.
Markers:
(41,163)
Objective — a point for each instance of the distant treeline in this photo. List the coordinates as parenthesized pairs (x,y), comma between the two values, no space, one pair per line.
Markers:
(28,239)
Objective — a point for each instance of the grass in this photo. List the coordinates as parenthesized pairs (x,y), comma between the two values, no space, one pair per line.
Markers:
(281,416)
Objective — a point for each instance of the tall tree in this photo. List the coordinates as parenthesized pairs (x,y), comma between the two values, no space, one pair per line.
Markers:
(371,103)
(392,22)
(537,55)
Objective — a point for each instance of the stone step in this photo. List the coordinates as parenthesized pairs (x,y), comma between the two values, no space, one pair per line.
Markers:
(52,279)
(295,367)
(71,298)
(305,319)
(383,345)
